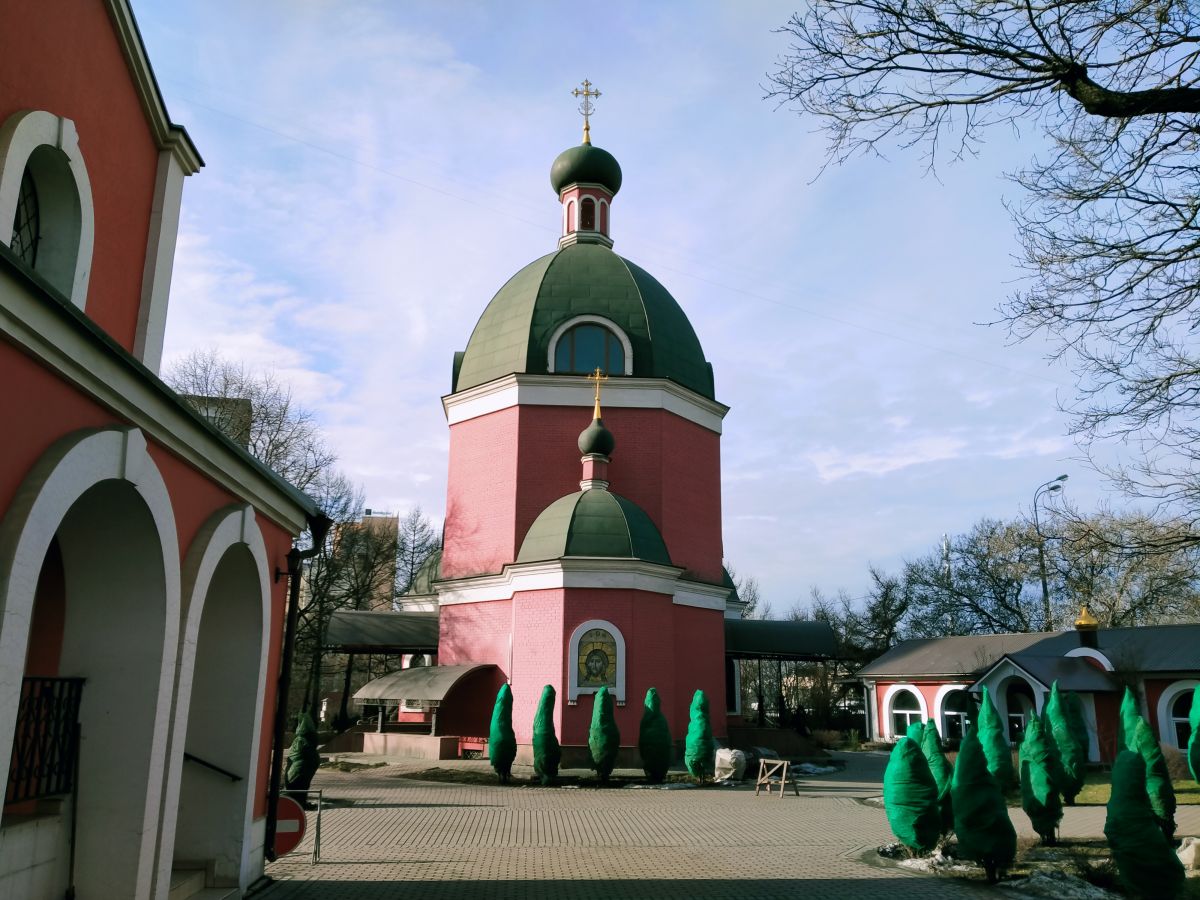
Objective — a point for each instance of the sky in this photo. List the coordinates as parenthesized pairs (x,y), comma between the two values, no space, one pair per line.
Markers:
(375,171)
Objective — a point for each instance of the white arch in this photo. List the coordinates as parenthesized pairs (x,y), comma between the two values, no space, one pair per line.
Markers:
(1166,730)
(232,527)
(594,320)
(69,468)
(888,697)
(939,702)
(1090,653)
(20,135)
(573,688)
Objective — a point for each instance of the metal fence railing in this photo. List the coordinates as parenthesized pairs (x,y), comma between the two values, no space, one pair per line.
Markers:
(46,742)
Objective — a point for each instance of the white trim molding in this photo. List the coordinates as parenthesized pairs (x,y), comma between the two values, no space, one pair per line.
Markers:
(889,696)
(160,261)
(573,689)
(1089,653)
(574,390)
(1166,727)
(939,702)
(608,324)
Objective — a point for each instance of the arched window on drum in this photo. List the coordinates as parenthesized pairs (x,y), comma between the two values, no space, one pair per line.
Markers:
(587,347)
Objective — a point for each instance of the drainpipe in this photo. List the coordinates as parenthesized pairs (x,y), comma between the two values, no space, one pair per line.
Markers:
(318,527)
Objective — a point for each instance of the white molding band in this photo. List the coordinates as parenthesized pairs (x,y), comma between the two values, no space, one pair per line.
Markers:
(574,390)
(885,724)
(583,572)
(573,688)
(608,324)
(939,702)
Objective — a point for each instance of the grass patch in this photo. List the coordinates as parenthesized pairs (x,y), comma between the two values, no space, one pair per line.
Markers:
(1098,787)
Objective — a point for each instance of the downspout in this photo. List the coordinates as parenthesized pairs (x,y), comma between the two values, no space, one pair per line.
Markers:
(318,526)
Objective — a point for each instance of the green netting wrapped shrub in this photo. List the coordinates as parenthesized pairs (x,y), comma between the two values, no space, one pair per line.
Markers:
(502,742)
(1073,752)
(1158,777)
(910,797)
(943,775)
(996,749)
(547,753)
(916,732)
(654,739)
(604,739)
(303,758)
(981,824)
(1127,722)
(700,749)
(1145,858)
(1039,793)
(1193,748)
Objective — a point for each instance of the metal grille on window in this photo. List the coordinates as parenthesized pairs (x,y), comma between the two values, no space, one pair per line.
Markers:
(46,740)
(27,224)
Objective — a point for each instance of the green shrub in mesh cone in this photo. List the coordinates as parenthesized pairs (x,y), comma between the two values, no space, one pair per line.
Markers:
(916,732)
(992,738)
(1039,793)
(1057,772)
(981,824)
(943,775)
(700,749)
(1193,748)
(1073,741)
(1127,721)
(654,740)
(604,740)
(303,758)
(910,798)
(1158,778)
(502,743)
(1145,859)
(547,753)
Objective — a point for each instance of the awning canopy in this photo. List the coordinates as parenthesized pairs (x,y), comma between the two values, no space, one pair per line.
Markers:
(429,684)
(765,639)
(382,632)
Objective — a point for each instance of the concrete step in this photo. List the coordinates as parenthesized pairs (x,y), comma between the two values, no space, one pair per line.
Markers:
(185,883)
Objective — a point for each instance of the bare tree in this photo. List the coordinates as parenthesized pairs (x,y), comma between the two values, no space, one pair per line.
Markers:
(1109,224)
(255,410)
(416,541)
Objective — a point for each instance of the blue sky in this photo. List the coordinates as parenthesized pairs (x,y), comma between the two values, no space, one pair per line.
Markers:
(376,171)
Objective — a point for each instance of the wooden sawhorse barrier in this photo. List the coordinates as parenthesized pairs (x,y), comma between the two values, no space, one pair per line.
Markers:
(769,769)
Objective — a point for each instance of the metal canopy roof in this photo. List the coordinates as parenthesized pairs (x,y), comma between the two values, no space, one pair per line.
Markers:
(382,632)
(764,639)
(429,684)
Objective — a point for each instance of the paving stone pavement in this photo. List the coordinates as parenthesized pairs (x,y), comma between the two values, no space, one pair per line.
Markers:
(388,837)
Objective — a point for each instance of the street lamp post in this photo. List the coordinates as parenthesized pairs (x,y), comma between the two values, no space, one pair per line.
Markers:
(1049,487)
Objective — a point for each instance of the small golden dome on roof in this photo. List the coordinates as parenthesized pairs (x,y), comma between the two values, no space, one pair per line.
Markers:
(1086,621)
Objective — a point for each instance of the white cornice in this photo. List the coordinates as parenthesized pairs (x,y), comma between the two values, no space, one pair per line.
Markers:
(583,572)
(572,390)
(30,323)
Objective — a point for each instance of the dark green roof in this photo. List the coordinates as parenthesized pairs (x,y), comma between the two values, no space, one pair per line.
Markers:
(594,523)
(585,164)
(513,334)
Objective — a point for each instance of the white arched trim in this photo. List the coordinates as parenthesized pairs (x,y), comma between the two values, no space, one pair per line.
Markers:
(1166,727)
(1091,653)
(889,698)
(595,320)
(20,135)
(939,702)
(233,526)
(573,688)
(67,470)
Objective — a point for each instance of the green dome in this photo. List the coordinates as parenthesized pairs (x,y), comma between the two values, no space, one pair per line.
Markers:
(594,523)
(513,334)
(588,165)
(429,572)
(596,439)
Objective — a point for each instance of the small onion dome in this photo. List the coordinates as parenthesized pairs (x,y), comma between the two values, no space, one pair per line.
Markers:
(585,164)
(594,523)
(1086,621)
(596,439)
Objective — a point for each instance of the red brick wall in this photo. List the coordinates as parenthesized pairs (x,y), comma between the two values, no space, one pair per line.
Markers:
(68,62)
(475,632)
(538,658)
(480,495)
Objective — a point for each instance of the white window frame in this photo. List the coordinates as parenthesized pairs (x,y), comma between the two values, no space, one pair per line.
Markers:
(591,320)
(573,688)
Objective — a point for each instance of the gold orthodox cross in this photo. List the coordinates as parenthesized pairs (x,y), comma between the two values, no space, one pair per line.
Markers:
(598,376)
(585,108)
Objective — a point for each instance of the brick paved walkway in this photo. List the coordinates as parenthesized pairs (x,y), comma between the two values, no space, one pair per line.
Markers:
(395,837)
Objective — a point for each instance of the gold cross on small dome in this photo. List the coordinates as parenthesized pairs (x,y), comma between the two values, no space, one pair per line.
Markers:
(585,108)
(599,377)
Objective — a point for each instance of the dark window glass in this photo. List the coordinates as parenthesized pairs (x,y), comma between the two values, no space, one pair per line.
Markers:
(27,224)
(585,348)
(905,700)
(587,214)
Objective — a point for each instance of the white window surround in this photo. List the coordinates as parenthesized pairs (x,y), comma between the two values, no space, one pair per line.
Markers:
(939,703)
(20,136)
(592,320)
(889,697)
(160,260)
(1166,724)
(1090,653)
(573,688)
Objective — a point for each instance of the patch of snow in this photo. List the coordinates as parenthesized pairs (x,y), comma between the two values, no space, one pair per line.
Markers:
(1058,885)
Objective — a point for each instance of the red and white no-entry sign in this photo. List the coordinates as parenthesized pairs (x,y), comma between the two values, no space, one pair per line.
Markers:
(289,826)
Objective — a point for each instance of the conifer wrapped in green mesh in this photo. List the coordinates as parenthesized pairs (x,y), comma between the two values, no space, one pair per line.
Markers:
(1158,777)
(303,757)
(1145,858)
(1055,709)
(1039,793)
(604,739)
(654,739)
(547,753)
(910,797)
(502,742)
(916,732)
(699,751)
(1075,763)
(943,775)
(1127,722)
(995,745)
(981,824)
(1193,748)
